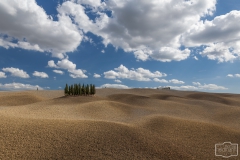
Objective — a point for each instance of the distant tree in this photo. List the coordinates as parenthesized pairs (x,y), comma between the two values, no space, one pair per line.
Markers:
(71,89)
(87,90)
(83,90)
(79,89)
(74,89)
(66,90)
(94,90)
(91,89)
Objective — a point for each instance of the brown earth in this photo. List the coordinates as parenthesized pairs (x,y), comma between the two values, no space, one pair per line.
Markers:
(117,124)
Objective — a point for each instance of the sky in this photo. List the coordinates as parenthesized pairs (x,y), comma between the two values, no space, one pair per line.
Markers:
(183,44)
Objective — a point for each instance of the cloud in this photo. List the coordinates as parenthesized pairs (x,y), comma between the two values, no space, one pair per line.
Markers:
(212,87)
(142,55)
(175,81)
(230,75)
(220,37)
(32,29)
(70,67)
(51,64)
(117,80)
(168,54)
(15,72)
(195,57)
(120,86)
(66,64)
(19,86)
(199,86)
(140,28)
(2,75)
(20,44)
(204,87)
(58,72)
(160,80)
(219,52)
(196,83)
(139,74)
(187,87)
(235,75)
(40,74)
(77,73)
(90,3)
(96,75)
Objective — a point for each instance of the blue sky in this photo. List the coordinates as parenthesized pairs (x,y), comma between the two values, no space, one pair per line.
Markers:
(187,45)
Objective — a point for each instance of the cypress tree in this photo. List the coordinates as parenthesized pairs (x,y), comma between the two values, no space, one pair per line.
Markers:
(74,89)
(79,89)
(87,90)
(94,90)
(90,89)
(83,89)
(69,90)
(66,89)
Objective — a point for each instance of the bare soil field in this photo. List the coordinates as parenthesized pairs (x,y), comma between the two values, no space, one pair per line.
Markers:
(117,124)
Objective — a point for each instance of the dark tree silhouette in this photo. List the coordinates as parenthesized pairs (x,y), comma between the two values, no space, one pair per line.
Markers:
(77,89)
(87,90)
(94,90)
(83,90)
(66,90)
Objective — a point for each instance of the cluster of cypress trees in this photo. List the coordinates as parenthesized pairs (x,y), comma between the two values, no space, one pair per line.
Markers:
(77,89)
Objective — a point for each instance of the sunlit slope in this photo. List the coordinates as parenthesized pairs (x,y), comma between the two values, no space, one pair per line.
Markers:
(117,124)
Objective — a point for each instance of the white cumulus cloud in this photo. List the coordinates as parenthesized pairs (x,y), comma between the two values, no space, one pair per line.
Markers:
(77,73)
(15,72)
(195,57)
(230,75)
(199,86)
(40,74)
(2,75)
(237,75)
(58,71)
(136,25)
(96,75)
(33,29)
(220,37)
(117,80)
(196,83)
(70,67)
(120,86)
(19,86)
(160,80)
(175,81)
(139,74)
(233,75)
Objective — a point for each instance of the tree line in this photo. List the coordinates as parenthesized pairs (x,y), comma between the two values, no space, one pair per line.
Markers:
(77,89)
